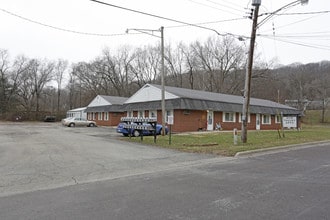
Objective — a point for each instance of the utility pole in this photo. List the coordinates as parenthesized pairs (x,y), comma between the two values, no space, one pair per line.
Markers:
(163,80)
(151,32)
(248,76)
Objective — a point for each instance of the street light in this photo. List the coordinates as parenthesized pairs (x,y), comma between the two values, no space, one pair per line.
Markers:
(150,32)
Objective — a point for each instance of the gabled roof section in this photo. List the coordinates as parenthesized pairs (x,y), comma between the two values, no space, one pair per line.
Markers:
(218,97)
(101,100)
(78,109)
(150,93)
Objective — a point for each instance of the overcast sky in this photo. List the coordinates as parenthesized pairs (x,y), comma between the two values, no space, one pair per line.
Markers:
(284,40)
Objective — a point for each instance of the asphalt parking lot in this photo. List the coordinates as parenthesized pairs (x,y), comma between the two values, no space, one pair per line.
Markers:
(36,156)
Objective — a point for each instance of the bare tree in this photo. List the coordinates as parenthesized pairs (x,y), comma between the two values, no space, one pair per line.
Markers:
(175,65)
(218,58)
(146,65)
(60,68)
(32,82)
(4,84)
(190,62)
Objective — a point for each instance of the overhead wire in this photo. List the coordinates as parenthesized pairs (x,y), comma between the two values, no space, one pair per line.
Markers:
(299,13)
(226,6)
(232,3)
(285,7)
(315,46)
(296,22)
(104,34)
(312,37)
(155,16)
(209,22)
(216,8)
(59,28)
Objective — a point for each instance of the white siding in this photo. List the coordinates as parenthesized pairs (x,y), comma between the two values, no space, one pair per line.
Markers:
(77,113)
(149,93)
(98,101)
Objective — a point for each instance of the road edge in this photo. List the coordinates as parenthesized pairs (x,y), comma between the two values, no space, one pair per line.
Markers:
(280,148)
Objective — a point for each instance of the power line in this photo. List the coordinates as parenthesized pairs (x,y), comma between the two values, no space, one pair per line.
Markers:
(101,34)
(59,28)
(155,16)
(216,3)
(285,7)
(300,13)
(206,5)
(209,22)
(232,3)
(296,22)
(315,46)
(321,37)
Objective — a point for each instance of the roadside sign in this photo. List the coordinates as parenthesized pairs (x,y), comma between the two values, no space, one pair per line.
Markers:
(170,120)
(290,122)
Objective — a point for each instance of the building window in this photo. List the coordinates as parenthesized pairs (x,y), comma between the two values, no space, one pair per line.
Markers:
(153,114)
(106,116)
(89,116)
(229,117)
(141,114)
(93,115)
(186,112)
(130,114)
(266,119)
(99,116)
(240,118)
(278,119)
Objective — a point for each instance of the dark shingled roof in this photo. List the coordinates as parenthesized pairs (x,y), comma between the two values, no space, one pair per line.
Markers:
(106,108)
(189,99)
(116,105)
(223,98)
(114,100)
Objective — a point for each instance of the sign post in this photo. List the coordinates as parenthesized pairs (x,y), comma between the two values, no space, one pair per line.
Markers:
(235,136)
(170,121)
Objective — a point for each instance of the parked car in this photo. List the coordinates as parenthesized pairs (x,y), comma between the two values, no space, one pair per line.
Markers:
(136,133)
(49,118)
(72,122)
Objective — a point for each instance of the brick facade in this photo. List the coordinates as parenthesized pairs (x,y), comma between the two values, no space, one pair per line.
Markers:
(194,120)
(113,120)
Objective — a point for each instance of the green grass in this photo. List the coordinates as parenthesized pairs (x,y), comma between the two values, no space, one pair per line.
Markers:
(222,143)
(313,117)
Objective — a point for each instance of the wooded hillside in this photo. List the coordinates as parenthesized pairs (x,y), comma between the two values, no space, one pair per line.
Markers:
(31,88)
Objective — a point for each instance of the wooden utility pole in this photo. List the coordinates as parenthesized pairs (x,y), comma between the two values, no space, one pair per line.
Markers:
(248,76)
(163,80)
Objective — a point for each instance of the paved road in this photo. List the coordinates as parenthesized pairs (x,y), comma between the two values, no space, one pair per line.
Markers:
(36,156)
(293,184)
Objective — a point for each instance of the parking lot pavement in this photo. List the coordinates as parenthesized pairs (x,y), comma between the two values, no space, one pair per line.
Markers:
(35,156)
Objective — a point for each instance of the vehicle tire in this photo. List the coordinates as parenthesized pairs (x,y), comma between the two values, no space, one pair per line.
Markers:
(91,125)
(136,133)
(71,125)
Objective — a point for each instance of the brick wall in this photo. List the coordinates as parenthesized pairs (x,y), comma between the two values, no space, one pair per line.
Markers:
(194,120)
(114,118)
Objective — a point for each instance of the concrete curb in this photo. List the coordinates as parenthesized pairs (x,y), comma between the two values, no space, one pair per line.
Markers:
(281,148)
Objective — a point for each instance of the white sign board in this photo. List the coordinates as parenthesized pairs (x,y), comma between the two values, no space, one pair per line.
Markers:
(290,122)
(170,120)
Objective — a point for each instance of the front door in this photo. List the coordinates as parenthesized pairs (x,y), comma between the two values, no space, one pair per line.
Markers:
(257,121)
(210,124)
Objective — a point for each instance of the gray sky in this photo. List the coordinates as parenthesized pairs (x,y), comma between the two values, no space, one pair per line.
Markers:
(20,36)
